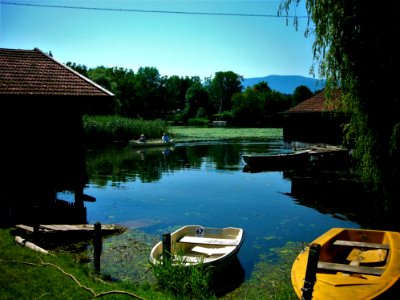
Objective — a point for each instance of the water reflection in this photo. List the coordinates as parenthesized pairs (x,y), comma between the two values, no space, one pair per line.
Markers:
(158,190)
(201,184)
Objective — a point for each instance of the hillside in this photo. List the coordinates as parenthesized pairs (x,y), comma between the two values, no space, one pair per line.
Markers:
(286,84)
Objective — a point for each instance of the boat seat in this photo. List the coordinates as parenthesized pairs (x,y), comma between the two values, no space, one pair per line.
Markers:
(361,244)
(208,241)
(350,268)
(213,251)
(367,256)
(188,260)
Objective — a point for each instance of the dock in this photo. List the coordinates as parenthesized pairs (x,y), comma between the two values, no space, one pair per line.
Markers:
(327,149)
(70,228)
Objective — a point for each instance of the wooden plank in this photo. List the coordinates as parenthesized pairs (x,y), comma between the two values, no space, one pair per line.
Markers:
(208,241)
(213,251)
(68,228)
(350,269)
(361,244)
(192,259)
(24,227)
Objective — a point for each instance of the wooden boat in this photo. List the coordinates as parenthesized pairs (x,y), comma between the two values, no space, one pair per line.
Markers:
(193,244)
(150,143)
(280,161)
(351,264)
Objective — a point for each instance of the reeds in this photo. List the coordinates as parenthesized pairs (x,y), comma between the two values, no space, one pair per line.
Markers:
(192,282)
(115,128)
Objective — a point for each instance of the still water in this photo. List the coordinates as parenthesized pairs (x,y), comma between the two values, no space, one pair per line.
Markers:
(158,190)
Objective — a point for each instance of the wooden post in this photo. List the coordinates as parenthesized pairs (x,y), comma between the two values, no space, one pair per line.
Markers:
(166,241)
(36,225)
(311,271)
(97,246)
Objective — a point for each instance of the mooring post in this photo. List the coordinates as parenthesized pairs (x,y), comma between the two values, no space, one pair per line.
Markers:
(36,225)
(311,271)
(166,241)
(97,246)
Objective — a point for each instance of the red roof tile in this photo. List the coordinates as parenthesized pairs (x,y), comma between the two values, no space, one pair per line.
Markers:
(32,72)
(317,104)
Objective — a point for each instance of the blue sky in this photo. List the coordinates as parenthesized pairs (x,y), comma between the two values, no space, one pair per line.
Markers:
(178,37)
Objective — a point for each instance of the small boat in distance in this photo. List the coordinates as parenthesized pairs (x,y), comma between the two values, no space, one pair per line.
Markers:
(280,161)
(193,244)
(150,143)
(349,264)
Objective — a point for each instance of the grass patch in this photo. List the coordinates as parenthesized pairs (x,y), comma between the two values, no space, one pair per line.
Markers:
(27,274)
(192,134)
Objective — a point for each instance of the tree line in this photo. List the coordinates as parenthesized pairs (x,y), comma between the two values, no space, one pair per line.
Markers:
(148,95)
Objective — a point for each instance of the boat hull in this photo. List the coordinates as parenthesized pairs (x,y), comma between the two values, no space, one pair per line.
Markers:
(148,144)
(194,245)
(280,161)
(353,264)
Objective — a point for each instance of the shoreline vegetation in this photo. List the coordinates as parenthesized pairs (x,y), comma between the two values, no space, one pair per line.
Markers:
(105,129)
(63,274)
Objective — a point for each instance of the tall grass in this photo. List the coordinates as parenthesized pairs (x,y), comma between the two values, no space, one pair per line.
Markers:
(115,128)
(193,282)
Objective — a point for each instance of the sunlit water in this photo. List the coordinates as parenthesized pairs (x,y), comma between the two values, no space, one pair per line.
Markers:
(202,185)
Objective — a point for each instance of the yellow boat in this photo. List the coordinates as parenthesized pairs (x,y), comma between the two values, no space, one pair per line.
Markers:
(346,263)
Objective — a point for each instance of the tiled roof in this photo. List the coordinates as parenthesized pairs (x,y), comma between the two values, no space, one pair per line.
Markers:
(317,104)
(32,72)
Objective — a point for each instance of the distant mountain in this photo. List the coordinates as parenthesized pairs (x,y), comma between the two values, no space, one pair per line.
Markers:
(286,84)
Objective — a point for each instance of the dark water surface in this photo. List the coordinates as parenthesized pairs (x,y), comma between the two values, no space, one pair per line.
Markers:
(158,190)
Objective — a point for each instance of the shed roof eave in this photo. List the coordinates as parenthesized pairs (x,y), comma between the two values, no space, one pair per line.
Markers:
(77,73)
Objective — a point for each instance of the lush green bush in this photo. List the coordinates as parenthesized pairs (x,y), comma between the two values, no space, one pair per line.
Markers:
(198,122)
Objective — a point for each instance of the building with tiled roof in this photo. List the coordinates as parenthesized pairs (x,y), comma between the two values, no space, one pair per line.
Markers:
(317,119)
(42,105)
(33,72)
(317,104)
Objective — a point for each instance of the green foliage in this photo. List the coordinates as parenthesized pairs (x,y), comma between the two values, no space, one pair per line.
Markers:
(198,122)
(300,94)
(248,108)
(358,56)
(193,282)
(196,97)
(148,95)
(221,89)
(259,106)
(81,69)
(262,87)
(201,113)
(115,128)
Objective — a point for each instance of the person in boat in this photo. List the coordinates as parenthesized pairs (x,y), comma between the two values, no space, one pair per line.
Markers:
(165,138)
(142,138)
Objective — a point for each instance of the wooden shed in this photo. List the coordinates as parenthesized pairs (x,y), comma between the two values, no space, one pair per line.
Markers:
(42,104)
(315,120)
